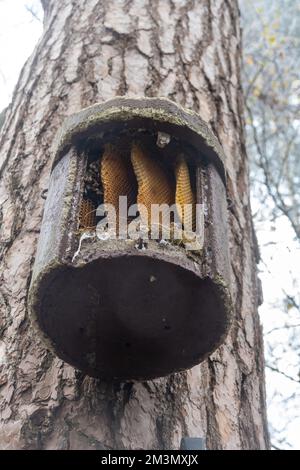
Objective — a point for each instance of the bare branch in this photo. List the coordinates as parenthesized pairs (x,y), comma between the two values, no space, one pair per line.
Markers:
(32,12)
(280,328)
(274,369)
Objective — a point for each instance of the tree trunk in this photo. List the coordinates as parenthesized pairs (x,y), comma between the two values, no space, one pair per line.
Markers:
(91,51)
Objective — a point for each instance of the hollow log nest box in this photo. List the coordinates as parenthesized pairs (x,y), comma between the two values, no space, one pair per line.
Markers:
(123,308)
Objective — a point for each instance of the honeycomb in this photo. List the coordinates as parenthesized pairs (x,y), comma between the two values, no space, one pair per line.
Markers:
(184,193)
(117,178)
(143,180)
(87,214)
(154,185)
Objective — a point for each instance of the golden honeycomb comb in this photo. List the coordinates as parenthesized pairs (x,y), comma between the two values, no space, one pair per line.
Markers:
(154,186)
(184,193)
(87,214)
(117,178)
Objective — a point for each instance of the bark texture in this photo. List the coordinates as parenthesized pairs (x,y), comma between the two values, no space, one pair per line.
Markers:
(92,50)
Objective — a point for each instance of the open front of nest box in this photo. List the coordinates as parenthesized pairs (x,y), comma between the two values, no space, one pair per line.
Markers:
(122,307)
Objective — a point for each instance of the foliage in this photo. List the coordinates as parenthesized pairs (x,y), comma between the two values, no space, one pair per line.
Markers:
(272,90)
(272,85)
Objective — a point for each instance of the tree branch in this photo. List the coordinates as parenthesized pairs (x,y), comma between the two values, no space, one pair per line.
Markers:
(33,13)
(274,369)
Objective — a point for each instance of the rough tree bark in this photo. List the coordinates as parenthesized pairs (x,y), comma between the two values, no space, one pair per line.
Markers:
(90,51)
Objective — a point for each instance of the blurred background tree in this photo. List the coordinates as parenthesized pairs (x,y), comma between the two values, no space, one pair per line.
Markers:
(271,86)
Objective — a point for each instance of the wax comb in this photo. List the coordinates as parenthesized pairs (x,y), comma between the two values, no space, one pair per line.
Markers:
(87,214)
(154,186)
(184,193)
(117,178)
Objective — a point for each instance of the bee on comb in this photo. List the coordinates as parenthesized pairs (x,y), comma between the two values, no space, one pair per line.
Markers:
(92,185)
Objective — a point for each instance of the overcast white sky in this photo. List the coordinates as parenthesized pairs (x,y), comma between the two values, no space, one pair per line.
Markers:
(19,33)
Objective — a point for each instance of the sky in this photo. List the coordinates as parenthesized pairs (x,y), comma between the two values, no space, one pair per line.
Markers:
(19,33)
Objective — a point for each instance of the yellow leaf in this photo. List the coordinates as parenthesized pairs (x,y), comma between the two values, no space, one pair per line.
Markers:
(256,91)
(271,40)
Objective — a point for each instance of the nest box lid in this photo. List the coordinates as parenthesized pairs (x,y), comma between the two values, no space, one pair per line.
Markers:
(156,114)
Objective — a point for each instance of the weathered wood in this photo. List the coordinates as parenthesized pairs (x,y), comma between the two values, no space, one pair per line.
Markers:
(134,113)
(128,313)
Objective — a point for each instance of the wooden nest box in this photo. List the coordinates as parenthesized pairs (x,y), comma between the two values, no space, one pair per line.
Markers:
(133,307)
